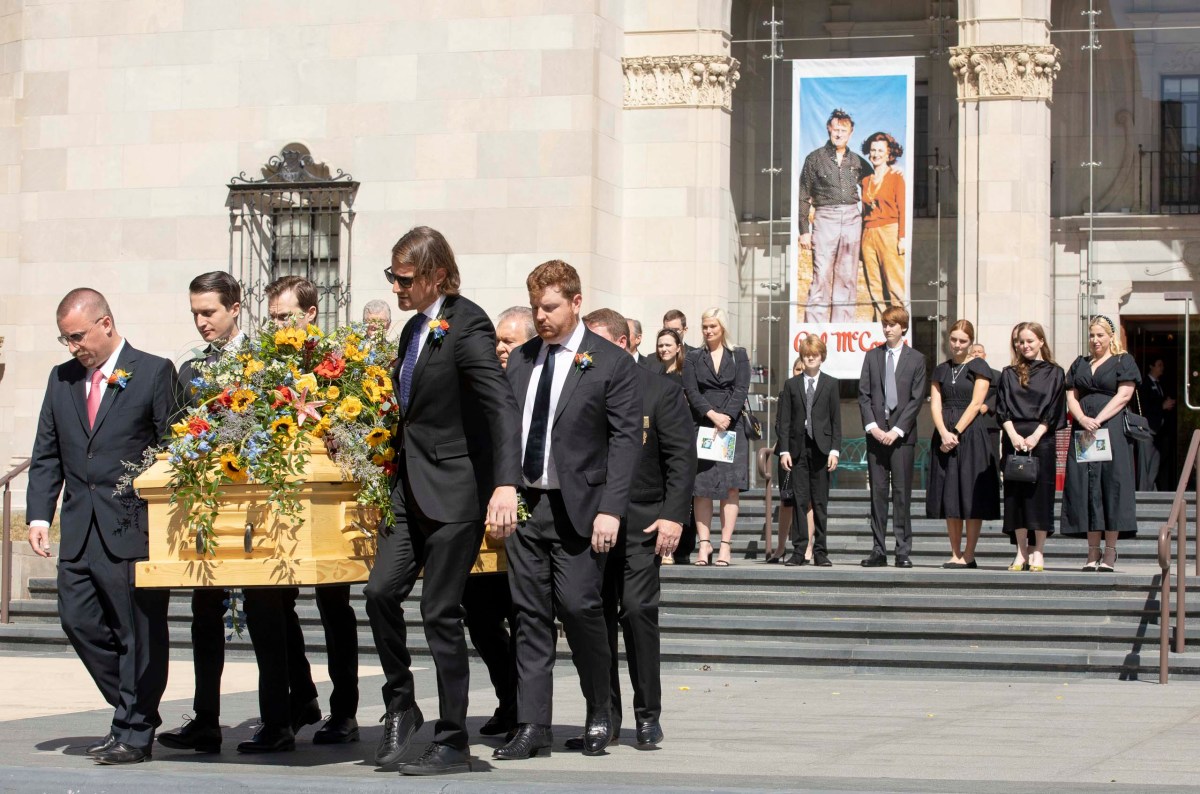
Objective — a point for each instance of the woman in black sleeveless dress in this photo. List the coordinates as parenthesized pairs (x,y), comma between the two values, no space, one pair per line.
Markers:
(964,486)
(1029,406)
(1099,498)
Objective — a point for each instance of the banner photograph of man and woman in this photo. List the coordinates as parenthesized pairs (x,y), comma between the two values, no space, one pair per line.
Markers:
(851,177)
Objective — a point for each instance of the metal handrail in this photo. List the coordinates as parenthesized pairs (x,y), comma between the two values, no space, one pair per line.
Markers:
(6,551)
(764,471)
(1176,520)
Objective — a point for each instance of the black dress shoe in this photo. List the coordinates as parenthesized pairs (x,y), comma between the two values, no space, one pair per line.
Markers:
(531,740)
(972,564)
(796,560)
(198,735)
(270,739)
(337,730)
(876,560)
(822,561)
(108,741)
(121,753)
(502,722)
(439,759)
(308,714)
(903,562)
(954,565)
(578,742)
(598,734)
(398,730)
(649,733)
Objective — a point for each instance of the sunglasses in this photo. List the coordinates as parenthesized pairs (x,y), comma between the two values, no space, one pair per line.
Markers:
(405,282)
(78,337)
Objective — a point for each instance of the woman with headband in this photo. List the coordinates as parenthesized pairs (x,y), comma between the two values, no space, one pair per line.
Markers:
(1098,499)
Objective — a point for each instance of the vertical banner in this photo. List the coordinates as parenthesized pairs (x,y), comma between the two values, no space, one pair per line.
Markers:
(852,127)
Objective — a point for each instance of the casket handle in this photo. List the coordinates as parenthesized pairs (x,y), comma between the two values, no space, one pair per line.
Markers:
(363,529)
(248,538)
(200,543)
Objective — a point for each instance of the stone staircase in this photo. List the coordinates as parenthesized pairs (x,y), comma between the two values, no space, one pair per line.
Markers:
(847,619)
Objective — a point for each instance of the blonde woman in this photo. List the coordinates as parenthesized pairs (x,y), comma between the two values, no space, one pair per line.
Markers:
(716,379)
(1098,499)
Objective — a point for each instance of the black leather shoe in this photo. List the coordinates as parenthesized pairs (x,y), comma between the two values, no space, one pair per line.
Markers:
(649,733)
(121,753)
(398,730)
(201,736)
(270,739)
(577,742)
(530,740)
(822,561)
(439,759)
(876,560)
(598,734)
(108,741)
(308,714)
(903,562)
(337,730)
(502,722)
(796,560)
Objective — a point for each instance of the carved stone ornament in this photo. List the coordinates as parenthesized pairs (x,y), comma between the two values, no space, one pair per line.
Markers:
(1005,71)
(659,81)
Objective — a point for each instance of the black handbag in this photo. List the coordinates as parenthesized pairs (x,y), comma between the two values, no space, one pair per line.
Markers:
(1137,428)
(1021,468)
(752,425)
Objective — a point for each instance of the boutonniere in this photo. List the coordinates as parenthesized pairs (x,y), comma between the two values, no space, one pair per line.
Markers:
(438,328)
(583,361)
(119,379)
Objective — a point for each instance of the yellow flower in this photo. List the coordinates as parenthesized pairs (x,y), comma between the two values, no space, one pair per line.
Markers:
(322,427)
(232,468)
(380,458)
(353,339)
(284,424)
(354,352)
(313,330)
(377,436)
(180,429)
(240,400)
(289,337)
(372,390)
(328,408)
(377,373)
(349,409)
(253,366)
(306,381)
(332,393)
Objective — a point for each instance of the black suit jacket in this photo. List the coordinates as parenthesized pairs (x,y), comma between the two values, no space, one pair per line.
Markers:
(710,390)
(667,469)
(1152,402)
(595,432)
(85,464)
(461,435)
(911,385)
(793,412)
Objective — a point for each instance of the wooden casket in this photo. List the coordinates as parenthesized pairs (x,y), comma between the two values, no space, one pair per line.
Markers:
(334,544)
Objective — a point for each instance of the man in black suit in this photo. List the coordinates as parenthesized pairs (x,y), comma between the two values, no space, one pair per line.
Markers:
(659,502)
(890,393)
(677,321)
(104,407)
(1155,405)
(580,401)
(810,435)
(458,454)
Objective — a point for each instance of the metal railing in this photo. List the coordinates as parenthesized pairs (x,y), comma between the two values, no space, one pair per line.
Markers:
(1168,182)
(765,473)
(1177,521)
(6,552)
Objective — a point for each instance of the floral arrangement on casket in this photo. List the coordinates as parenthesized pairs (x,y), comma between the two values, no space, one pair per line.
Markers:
(262,407)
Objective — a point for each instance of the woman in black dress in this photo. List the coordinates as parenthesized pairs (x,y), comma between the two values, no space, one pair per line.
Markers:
(964,487)
(1029,406)
(670,352)
(1099,497)
(716,379)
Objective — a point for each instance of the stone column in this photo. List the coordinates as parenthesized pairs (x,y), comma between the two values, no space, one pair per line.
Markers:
(679,228)
(1005,67)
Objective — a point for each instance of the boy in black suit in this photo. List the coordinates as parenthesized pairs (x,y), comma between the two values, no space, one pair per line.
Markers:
(890,393)
(810,434)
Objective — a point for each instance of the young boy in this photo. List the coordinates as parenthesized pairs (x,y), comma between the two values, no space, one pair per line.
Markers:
(890,393)
(810,433)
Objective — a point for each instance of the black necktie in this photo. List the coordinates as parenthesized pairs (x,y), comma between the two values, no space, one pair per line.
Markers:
(535,445)
(808,403)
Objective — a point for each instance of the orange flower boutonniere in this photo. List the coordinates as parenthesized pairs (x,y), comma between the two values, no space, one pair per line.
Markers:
(438,327)
(119,378)
(583,361)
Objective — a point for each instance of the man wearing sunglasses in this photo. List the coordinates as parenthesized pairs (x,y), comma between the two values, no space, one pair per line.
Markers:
(104,408)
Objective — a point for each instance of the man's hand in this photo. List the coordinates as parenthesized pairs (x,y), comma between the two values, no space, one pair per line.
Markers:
(39,540)
(806,241)
(668,536)
(1168,403)
(502,512)
(890,437)
(785,462)
(878,434)
(604,532)
(832,463)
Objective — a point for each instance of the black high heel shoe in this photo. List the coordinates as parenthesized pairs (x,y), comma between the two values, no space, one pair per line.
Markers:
(703,559)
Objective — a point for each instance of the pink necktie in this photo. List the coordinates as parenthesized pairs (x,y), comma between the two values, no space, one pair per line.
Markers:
(94,397)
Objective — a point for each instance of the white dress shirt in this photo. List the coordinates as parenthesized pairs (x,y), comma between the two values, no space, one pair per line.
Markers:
(564,359)
(895,352)
(431,312)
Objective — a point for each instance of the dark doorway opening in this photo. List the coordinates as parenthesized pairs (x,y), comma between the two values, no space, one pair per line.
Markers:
(1150,338)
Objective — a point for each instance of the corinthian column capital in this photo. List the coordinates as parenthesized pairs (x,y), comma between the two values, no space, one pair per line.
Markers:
(1005,71)
(657,81)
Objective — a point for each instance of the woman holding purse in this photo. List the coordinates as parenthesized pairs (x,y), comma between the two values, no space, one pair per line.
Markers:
(1029,407)
(1098,498)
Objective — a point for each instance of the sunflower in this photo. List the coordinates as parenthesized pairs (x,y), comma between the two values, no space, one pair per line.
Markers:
(372,391)
(349,409)
(354,352)
(322,427)
(284,424)
(232,468)
(289,337)
(377,436)
(241,400)
(380,458)
(252,367)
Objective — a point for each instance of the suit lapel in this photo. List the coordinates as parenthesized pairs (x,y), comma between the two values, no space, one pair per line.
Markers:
(574,375)
(426,351)
(79,397)
(113,393)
